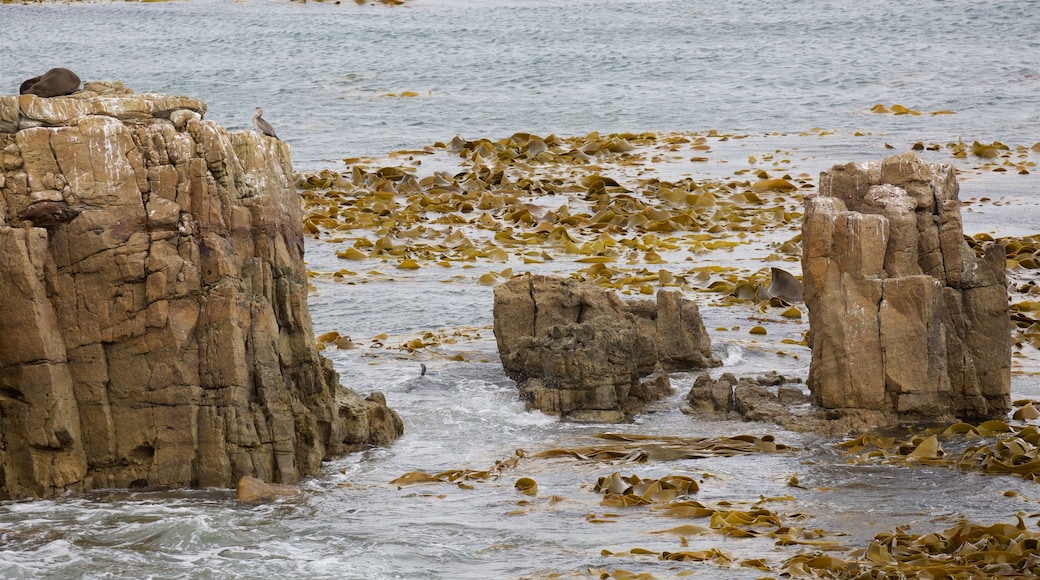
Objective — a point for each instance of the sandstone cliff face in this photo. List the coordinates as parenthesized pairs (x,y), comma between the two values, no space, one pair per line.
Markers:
(154,328)
(578,351)
(905,321)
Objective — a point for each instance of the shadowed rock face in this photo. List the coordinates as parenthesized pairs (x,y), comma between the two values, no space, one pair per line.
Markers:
(154,328)
(578,351)
(906,322)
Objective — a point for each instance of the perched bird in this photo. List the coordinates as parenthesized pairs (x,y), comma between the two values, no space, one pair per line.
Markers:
(262,125)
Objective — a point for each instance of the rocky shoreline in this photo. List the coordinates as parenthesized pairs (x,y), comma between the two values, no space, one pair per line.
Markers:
(162,338)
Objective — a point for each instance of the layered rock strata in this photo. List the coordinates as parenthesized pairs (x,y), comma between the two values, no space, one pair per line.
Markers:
(906,322)
(578,351)
(154,328)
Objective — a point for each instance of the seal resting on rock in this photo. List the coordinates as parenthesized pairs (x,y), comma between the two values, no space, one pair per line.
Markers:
(53,83)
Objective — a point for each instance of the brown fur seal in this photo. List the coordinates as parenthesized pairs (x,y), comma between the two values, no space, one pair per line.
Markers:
(25,85)
(53,83)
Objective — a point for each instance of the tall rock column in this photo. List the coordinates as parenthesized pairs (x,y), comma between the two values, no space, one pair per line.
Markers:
(154,328)
(906,322)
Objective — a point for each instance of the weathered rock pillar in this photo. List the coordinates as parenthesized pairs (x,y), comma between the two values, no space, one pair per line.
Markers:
(154,328)
(906,322)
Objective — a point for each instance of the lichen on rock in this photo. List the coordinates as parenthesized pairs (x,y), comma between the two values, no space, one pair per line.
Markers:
(154,329)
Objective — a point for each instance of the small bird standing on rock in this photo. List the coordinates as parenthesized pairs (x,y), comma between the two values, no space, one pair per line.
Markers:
(262,125)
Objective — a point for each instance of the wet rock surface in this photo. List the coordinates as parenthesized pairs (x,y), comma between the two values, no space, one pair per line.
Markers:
(907,322)
(578,351)
(770,398)
(154,330)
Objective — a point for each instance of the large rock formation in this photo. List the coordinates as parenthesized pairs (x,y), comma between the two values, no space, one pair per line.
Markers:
(578,351)
(154,328)
(906,322)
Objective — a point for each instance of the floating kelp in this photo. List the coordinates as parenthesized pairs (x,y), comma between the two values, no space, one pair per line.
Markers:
(964,551)
(333,338)
(713,555)
(645,448)
(461,476)
(1023,260)
(394,215)
(1014,451)
(621,491)
(526,486)
(725,518)
(996,156)
(898,109)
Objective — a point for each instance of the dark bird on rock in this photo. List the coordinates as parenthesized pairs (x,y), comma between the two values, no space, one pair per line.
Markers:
(262,125)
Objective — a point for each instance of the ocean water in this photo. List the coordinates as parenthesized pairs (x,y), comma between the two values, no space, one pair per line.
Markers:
(796,81)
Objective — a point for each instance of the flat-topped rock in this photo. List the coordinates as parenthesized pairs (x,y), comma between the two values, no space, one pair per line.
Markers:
(109,99)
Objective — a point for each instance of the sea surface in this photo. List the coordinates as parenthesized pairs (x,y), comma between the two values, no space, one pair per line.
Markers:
(794,84)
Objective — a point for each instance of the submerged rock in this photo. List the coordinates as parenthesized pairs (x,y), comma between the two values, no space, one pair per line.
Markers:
(906,322)
(578,351)
(253,490)
(154,329)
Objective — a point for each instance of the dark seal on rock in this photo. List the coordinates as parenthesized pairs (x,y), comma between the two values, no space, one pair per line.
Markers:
(26,84)
(49,214)
(53,83)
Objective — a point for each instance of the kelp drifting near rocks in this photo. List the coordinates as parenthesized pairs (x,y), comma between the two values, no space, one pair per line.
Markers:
(619,447)
(644,448)
(1023,260)
(966,550)
(996,156)
(969,551)
(1015,450)
(493,210)
(590,206)
(459,477)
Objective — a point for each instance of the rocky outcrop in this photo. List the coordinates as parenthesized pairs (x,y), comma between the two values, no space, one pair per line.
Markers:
(154,328)
(578,351)
(906,322)
(770,397)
